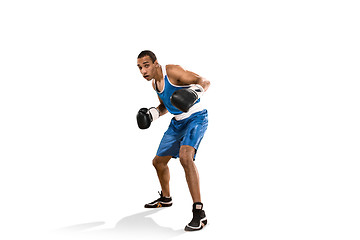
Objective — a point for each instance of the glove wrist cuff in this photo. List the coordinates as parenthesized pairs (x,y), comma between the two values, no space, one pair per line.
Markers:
(198,89)
(154,113)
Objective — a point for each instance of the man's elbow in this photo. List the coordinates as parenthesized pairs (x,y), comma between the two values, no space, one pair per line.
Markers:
(205,84)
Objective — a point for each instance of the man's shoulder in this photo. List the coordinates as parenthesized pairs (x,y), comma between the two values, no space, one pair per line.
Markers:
(174,72)
(172,67)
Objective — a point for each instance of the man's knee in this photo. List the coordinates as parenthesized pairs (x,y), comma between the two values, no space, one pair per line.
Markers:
(159,162)
(156,162)
(186,156)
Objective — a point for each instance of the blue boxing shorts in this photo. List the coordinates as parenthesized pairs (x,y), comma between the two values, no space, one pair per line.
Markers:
(188,131)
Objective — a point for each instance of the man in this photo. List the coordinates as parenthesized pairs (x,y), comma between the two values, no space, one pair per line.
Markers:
(179,93)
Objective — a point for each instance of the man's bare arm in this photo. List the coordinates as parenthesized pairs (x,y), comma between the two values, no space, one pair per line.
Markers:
(181,76)
(161,108)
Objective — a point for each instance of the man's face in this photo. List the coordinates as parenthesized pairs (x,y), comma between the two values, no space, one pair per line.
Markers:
(147,67)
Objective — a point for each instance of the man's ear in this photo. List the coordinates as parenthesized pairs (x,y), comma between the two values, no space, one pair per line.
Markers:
(156,63)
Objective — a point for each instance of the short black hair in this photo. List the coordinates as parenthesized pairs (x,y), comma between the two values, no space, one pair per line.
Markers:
(148,53)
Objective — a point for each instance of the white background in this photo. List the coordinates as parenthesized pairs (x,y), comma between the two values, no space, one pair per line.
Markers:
(280,159)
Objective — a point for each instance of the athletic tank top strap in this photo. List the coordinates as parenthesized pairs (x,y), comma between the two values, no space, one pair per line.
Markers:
(163,68)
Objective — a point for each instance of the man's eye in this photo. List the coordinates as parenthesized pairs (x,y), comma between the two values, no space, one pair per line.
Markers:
(147,65)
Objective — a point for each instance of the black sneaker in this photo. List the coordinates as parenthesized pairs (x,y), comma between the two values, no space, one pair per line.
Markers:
(160,202)
(199,218)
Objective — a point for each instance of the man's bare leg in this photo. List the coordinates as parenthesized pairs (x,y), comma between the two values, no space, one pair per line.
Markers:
(192,176)
(162,170)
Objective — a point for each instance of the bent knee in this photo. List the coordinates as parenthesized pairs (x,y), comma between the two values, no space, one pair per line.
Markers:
(160,161)
(186,162)
(186,156)
(156,162)
(186,152)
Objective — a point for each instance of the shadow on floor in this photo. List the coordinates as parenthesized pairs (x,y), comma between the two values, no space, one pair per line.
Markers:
(139,225)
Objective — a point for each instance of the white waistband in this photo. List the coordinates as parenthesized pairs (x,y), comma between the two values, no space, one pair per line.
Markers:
(196,108)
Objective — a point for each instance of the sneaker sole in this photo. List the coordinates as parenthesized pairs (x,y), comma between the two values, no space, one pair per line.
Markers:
(158,205)
(203,223)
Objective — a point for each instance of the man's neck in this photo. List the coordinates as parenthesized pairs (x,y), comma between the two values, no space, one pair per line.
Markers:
(159,74)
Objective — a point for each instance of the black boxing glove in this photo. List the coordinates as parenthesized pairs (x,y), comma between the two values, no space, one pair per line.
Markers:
(184,99)
(145,116)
